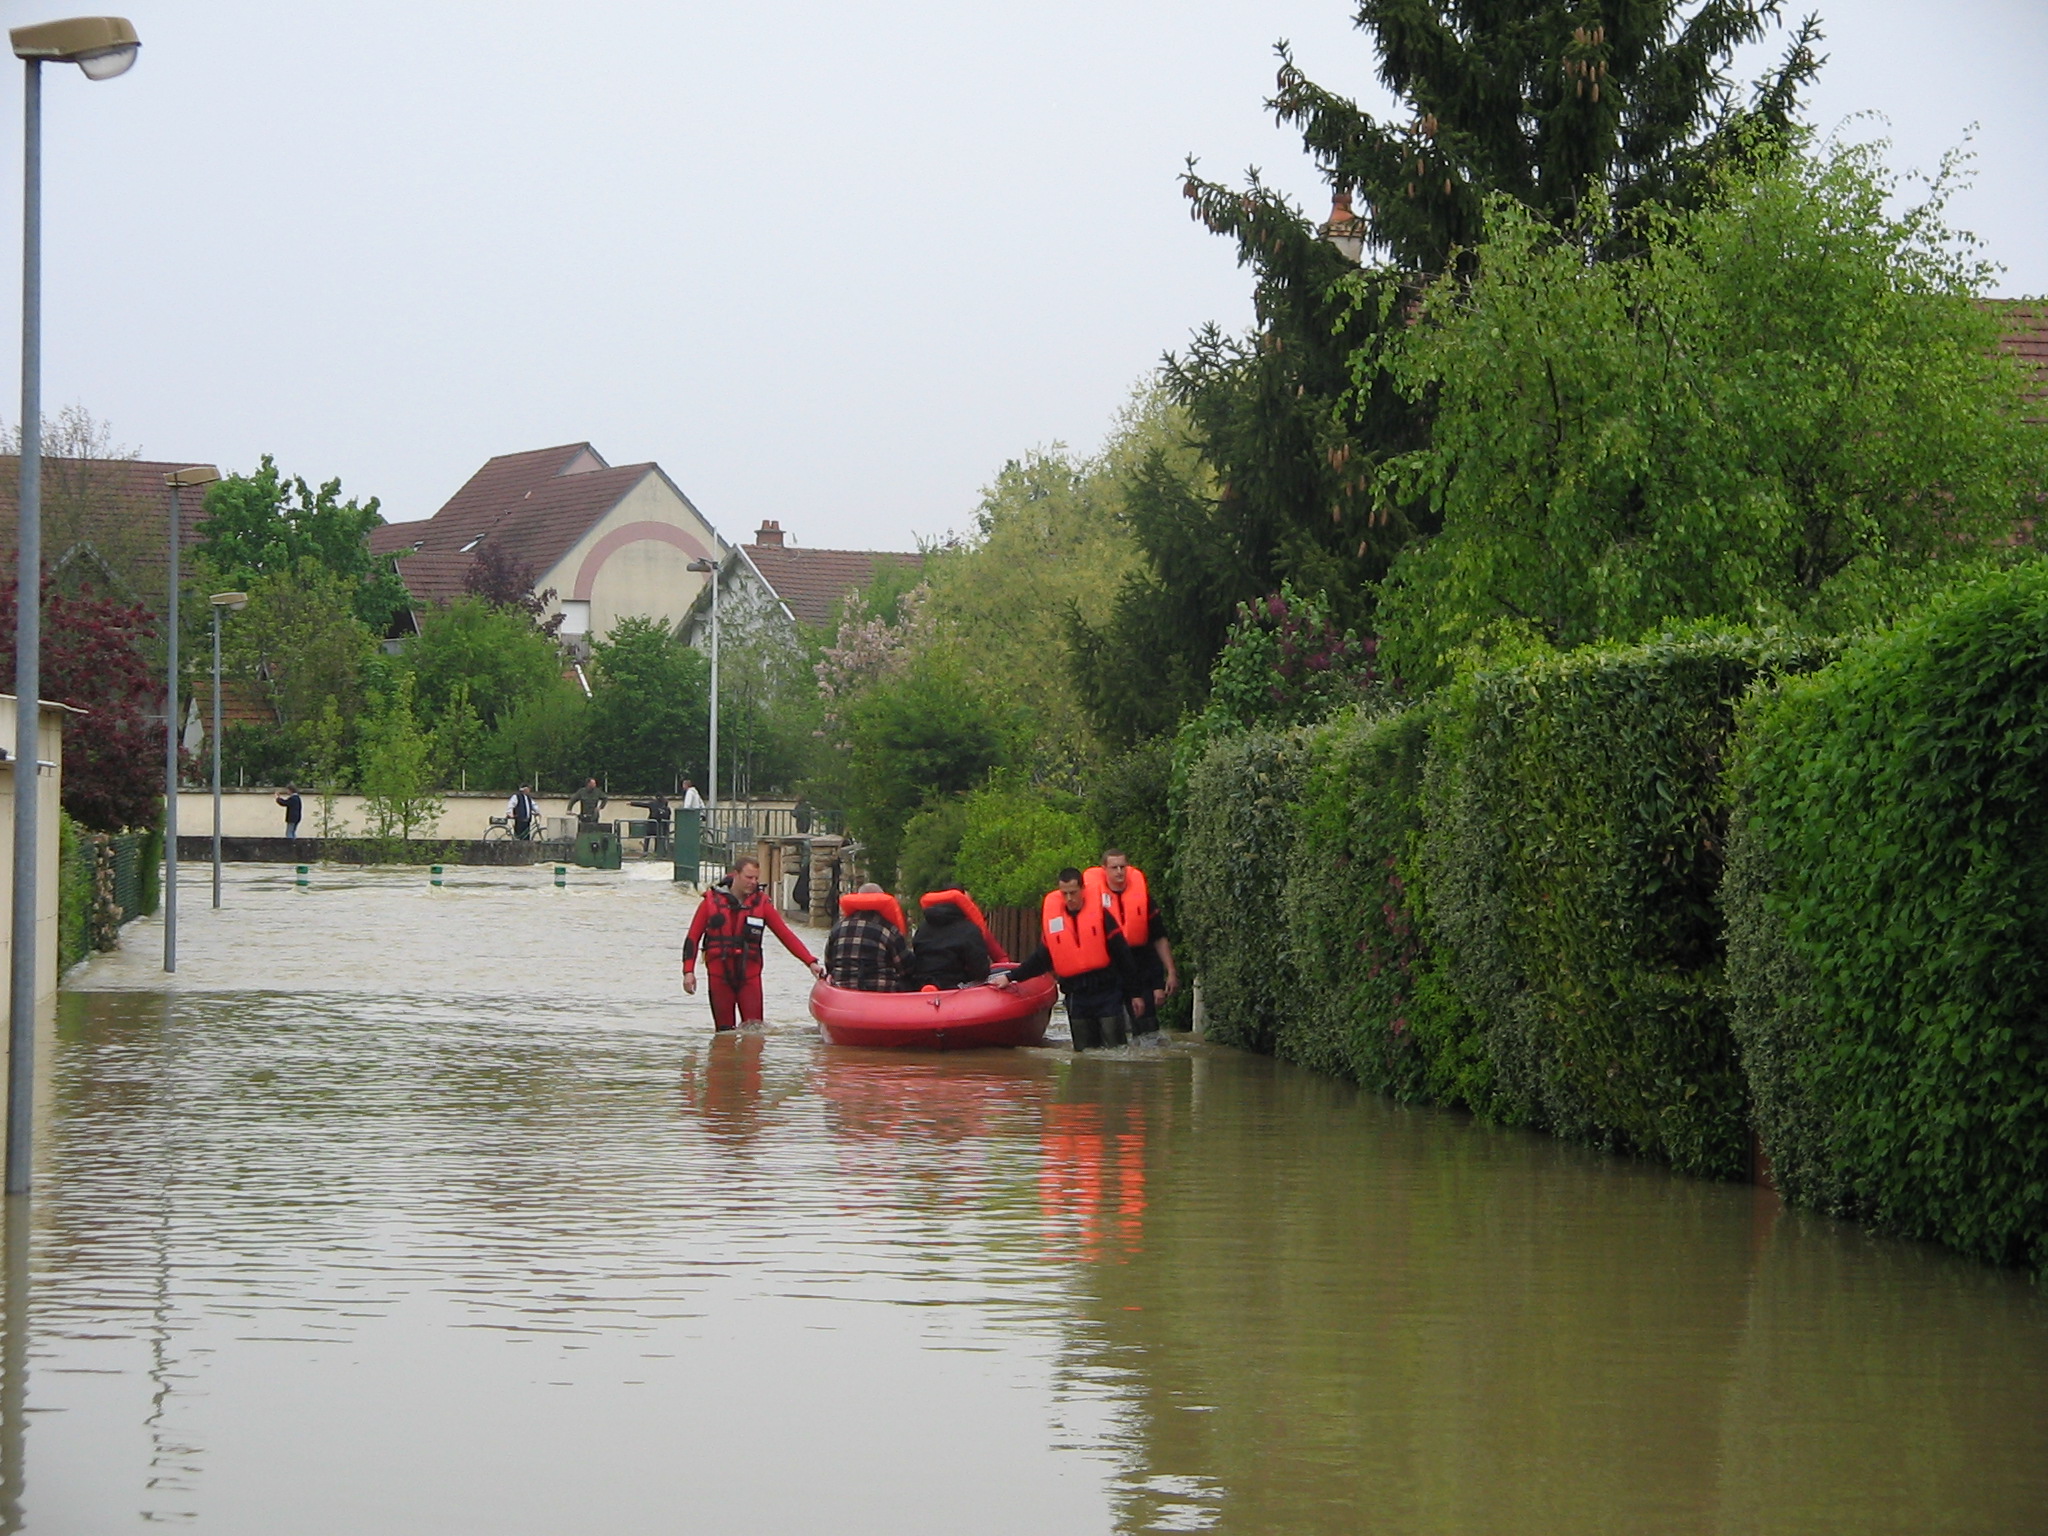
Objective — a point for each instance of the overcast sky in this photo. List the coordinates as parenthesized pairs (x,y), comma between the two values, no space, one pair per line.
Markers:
(826,263)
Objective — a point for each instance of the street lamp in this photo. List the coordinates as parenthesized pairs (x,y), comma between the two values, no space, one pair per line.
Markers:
(711,800)
(177,480)
(220,600)
(102,46)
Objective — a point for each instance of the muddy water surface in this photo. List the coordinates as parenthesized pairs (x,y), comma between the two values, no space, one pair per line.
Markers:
(440,1211)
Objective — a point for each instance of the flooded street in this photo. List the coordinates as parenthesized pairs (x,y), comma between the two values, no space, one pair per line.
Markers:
(405,1210)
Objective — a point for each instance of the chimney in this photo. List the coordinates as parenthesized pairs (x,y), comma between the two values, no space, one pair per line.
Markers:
(770,536)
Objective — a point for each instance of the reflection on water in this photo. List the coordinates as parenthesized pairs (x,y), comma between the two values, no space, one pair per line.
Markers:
(439,1211)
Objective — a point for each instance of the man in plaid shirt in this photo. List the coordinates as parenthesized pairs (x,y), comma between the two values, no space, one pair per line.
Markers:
(866,952)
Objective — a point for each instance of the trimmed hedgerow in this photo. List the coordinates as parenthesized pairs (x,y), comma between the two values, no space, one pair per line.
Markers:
(1371,1007)
(1575,842)
(1231,876)
(1891,931)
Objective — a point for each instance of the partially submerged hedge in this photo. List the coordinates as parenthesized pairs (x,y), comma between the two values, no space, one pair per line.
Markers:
(1888,920)
(1502,898)
(1576,833)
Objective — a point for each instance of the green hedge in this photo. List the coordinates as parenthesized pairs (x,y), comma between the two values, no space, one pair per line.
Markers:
(1576,831)
(1502,898)
(1888,921)
(102,882)
(1231,872)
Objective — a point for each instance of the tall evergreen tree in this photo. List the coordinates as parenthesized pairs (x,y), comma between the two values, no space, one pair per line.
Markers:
(1548,101)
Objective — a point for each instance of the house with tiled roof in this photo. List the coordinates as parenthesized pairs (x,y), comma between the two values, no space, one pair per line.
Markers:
(774,587)
(106,519)
(610,541)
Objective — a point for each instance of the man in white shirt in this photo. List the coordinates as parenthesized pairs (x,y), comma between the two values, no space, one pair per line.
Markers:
(522,809)
(692,801)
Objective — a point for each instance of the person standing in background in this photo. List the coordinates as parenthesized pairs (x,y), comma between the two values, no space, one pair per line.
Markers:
(294,809)
(522,810)
(585,804)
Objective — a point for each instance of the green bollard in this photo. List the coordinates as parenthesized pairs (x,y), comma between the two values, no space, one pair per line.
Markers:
(437,874)
(561,877)
(302,880)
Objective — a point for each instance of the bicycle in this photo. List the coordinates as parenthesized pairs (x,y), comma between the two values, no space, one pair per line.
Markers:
(500,830)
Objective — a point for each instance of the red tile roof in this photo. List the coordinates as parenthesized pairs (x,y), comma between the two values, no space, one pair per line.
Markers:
(121,506)
(533,505)
(2026,337)
(811,582)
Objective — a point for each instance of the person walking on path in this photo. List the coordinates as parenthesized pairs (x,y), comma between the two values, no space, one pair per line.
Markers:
(522,810)
(1120,886)
(692,801)
(728,927)
(585,804)
(866,951)
(294,809)
(1082,946)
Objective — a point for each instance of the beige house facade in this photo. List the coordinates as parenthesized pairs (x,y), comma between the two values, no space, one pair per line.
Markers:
(608,541)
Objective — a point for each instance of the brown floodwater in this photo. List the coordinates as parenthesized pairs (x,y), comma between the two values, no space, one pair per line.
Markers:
(440,1211)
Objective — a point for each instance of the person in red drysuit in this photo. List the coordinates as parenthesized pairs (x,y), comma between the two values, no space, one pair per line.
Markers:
(728,926)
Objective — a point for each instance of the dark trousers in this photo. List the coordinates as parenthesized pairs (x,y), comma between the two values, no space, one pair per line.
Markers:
(1096,1031)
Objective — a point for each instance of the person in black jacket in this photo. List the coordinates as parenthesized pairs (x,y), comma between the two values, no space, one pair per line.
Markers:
(948,951)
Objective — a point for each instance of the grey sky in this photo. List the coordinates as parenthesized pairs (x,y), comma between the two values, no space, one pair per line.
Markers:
(825,263)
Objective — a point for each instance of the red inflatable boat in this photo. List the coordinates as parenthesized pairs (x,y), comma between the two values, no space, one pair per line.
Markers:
(955,1020)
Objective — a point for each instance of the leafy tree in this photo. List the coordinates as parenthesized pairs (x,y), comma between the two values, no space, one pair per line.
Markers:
(649,706)
(458,737)
(1050,544)
(1017,840)
(300,644)
(492,656)
(397,767)
(1287,663)
(264,524)
(505,581)
(542,740)
(929,732)
(93,659)
(931,846)
(1564,106)
(1786,387)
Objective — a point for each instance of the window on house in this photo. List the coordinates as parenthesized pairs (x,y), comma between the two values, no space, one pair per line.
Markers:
(472,544)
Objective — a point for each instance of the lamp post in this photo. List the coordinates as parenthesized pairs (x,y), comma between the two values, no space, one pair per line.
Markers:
(219,601)
(102,46)
(711,800)
(177,480)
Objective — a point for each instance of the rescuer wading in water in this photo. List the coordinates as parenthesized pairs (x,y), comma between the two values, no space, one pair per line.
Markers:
(729,926)
(1082,946)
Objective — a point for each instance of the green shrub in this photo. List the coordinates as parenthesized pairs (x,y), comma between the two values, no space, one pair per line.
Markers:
(931,847)
(1370,1008)
(1891,929)
(74,892)
(1231,881)
(1016,841)
(1127,803)
(1575,842)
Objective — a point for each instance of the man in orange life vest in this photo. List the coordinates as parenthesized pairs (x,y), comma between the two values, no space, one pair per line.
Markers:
(729,925)
(1081,945)
(1120,885)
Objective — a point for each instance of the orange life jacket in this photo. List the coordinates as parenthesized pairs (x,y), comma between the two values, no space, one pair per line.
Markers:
(1077,941)
(972,913)
(875,901)
(1132,910)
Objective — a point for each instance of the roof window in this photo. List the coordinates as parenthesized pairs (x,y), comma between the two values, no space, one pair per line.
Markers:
(472,544)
